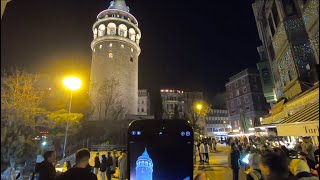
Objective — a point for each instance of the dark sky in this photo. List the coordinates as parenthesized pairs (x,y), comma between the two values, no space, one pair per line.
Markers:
(194,45)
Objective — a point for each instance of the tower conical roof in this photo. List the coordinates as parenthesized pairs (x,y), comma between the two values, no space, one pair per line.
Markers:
(119,4)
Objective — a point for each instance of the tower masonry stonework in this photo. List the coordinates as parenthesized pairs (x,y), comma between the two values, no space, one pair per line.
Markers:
(115,52)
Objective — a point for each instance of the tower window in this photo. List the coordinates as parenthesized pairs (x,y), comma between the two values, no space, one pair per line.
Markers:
(94,49)
(101,30)
(100,46)
(122,30)
(122,46)
(131,49)
(131,59)
(110,55)
(110,45)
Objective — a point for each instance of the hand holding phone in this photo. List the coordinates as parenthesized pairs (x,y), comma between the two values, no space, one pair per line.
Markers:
(160,149)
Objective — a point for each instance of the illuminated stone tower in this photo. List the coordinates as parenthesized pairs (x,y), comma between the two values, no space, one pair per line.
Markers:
(115,52)
(144,167)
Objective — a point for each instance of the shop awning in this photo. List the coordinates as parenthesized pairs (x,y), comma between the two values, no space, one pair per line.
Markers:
(303,123)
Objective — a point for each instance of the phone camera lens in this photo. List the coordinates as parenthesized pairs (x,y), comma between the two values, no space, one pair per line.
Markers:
(133,133)
(138,133)
(182,133)
(188,133)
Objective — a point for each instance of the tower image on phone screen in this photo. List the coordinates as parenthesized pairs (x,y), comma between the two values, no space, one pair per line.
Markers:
(144,166)
(166,155)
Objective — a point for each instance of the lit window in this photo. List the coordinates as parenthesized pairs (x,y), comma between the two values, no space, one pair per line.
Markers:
(94,49)
(110,55)
(100,46)
(110,45)
(138,37)
(132,34)
(122,46)
(131,49)
(122,30)
(49,89)
(237,92)
(111,29)
(101,30)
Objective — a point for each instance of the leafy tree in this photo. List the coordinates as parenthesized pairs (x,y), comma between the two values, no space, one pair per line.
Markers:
(20,100)
(196,116)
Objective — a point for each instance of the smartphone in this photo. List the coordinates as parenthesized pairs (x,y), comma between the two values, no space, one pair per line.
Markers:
(160,150)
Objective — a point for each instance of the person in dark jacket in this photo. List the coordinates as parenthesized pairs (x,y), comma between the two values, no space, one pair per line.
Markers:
(234,161)
(46,168)
(96,166)
(109,164)
(274,167)
(80,170)
(103,167)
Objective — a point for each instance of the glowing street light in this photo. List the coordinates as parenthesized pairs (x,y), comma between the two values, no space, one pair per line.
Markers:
(44,143)
(199,107)
(72,83)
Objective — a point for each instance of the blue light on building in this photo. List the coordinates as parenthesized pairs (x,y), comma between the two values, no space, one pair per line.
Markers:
(144,167)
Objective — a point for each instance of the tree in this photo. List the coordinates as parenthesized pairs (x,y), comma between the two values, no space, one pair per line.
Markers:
(196,116)
(20,100)
(110,109)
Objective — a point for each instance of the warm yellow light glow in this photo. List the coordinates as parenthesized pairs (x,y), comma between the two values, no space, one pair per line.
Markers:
(199,106)
(72,83)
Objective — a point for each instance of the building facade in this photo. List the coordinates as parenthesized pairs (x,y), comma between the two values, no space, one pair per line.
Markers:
(217,122)
(3,6)
(289,31)
(245,99)
(172,102)
(115,52)
(143,102)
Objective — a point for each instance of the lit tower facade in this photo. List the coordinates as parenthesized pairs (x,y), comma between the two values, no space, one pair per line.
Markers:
(144,167)
(115,52)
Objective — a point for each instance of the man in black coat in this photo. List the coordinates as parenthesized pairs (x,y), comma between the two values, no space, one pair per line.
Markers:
(234,161)
(96,166)
(46,168)
(80,170)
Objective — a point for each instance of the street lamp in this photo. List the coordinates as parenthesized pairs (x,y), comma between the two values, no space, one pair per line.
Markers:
(72,83)
(199,107)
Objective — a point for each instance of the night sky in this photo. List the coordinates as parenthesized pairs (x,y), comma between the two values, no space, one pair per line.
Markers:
(192,45)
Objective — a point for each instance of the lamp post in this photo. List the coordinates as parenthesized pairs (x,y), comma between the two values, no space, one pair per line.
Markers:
(72,83)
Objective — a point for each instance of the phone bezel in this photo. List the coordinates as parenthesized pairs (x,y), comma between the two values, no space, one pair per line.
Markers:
(162,124)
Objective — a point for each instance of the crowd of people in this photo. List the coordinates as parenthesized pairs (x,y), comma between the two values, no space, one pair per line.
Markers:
(263,161)
(104,166)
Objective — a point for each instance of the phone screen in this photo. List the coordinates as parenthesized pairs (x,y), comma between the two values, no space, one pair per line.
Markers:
(160,149)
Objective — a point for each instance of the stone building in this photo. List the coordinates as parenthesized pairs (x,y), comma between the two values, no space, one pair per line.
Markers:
(217,122)
(245,98)
(143,102)
(171,100)
(3,6)
(289,31)
(115,51)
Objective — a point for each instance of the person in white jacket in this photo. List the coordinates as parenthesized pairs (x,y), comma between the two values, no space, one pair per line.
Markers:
(201,151)
(122,164)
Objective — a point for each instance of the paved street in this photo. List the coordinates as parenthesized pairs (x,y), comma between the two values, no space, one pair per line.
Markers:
(217,169)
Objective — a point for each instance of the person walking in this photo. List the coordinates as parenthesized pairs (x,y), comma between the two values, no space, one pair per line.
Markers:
(96,166)
(103,167)
(46,169)
(109,164)
(122,161)
(206,152)
(80,170)
(234,161)
(201,152)
(214,144)
(114,163)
